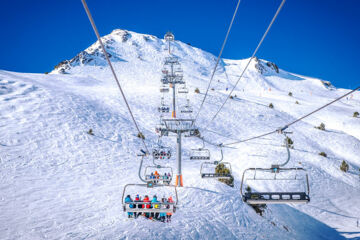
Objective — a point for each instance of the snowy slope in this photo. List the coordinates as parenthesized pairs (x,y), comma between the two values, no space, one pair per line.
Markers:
(57,182)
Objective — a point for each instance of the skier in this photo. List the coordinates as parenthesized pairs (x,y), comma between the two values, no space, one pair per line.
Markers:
(129,200)
(155,206)
(169,177)
(147,200)
(163,214)
(169,214)
(165,178)
(156,176)
(138,199)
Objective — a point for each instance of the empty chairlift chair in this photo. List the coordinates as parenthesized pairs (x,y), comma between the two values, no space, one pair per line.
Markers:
(200,154)
(216,169)
(187,108)
(275,185)
(141,206)
(288,185)
(164,88)
(208,170)
(158,175)
(183,89)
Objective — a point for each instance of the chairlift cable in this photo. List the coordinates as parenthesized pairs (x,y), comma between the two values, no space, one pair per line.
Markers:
(218,59)
(295,121)
(247,65)
(112,70)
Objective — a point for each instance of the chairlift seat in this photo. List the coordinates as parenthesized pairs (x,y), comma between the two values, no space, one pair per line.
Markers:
(216,175)
(183,90)
(164,109)
(213,174)
(166,207)
(199,157)
(200,154)
(276,197)
(186,110)
(164,89)
(132,207)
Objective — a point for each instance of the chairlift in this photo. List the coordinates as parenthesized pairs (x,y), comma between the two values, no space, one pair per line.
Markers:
(158,174)
(187,108)
(161,129)
(162,153)
(146,206)
(216,169)
(164,80)
(200,153)
(289,178)
(284,184)
(164,88)
(206,173)
(183,89)
(193,133)
(169,36)
(164,109)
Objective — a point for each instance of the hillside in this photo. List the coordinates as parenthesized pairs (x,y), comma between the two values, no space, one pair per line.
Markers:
(58,182)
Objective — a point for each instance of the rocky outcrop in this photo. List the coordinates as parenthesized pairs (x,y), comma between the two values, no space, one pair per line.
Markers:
(265,67)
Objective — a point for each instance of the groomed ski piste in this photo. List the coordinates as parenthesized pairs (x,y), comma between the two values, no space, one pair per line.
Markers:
(58,182)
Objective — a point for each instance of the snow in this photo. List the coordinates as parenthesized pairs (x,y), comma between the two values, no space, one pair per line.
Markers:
(58,182)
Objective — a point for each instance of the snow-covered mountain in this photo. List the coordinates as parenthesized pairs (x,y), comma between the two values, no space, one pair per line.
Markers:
(58,182)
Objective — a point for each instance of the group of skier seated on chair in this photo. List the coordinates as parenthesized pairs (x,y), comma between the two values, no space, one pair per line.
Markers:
(147,204)
(162,154)
(155,177)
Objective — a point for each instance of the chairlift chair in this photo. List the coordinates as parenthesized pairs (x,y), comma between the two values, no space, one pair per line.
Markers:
(205,173)
(279,196)
(200,154)
(161,129)
(164,88)
(183,89)
(164,80)
(148,207)
(169,36)
(279,175)
(164,109)
(164,177)
(162,153)
(187,108)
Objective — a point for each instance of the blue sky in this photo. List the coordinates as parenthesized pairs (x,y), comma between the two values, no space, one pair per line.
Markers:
(315,38)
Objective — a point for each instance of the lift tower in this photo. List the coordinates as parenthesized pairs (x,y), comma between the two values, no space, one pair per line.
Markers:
(173,76)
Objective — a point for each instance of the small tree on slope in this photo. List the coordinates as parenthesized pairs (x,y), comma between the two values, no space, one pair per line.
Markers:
(344,166)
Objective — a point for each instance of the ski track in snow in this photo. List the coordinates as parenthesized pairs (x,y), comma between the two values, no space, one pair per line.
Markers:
(58,182)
